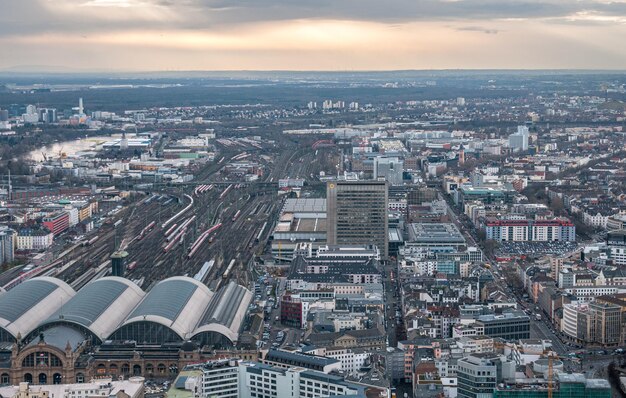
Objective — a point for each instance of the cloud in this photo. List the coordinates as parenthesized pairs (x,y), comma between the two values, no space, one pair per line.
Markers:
(33,16)
(478,29)
(326,34)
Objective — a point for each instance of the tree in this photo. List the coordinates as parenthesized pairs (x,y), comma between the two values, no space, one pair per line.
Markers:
(557,206)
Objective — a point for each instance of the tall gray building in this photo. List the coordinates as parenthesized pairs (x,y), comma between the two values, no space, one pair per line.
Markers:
(478,374)
(388,168)
(7,244)
(357,213)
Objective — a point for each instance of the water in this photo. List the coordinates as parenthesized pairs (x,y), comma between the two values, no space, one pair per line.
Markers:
(69,148)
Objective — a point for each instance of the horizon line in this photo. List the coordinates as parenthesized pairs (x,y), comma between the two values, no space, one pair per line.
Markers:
(52,71)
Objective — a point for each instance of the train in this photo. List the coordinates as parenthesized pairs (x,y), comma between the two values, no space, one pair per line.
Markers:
(202,188)
(145,231)
(150,199)
(131,266)
(170,230)
(90,241)
(223,194)
(260,234)
(117,223)
(241,156)
(228,269)
(196,245)
(236,215)
(178,237)
(180,213)
(182,226)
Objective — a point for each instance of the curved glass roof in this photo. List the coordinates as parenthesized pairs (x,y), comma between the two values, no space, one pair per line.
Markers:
(226,311)
(177,303)
(100,306)
(225,305)
(26,305)
(167,299)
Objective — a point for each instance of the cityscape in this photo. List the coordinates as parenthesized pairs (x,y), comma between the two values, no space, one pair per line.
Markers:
(209,212)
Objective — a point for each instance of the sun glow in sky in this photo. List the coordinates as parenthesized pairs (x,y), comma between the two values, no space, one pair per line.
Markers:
(147,35)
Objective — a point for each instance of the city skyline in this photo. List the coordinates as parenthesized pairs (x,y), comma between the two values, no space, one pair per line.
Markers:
(145,35)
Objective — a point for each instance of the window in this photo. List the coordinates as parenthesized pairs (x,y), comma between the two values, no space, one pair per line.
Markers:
(41,359)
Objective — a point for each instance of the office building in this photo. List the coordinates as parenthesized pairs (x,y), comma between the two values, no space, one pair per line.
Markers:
(479,374)
(618,300)
(389,169)
(435,235)
(607,322)
(514,325)
(232,378)
(220,379)
(289,359)
(47,115)
(7,245)
(357,213)
(519,141)
(301,221)
(293,311)
(487,195)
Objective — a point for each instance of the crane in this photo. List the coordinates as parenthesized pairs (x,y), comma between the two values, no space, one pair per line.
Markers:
(551,356)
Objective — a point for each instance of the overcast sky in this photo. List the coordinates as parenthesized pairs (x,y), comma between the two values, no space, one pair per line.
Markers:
(160,35)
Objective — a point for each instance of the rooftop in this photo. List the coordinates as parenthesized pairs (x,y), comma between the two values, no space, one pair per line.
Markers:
(435,233)
(299,359)
(306,205)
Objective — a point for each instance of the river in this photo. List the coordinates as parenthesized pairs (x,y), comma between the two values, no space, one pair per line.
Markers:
(69,148)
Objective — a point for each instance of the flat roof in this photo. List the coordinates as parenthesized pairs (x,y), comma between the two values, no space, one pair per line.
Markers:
(299,359)
(435,233)
(305,205)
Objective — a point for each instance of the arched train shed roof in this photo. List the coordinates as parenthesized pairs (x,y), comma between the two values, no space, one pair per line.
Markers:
(25,306)
(100,307)
(177,303)
(226,312)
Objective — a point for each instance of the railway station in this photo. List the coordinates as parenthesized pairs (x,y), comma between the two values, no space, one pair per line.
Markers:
(111,320)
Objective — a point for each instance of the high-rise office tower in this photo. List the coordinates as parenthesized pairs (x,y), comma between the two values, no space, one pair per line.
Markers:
(357,213)
(388,168)
(7,244)
(519,141)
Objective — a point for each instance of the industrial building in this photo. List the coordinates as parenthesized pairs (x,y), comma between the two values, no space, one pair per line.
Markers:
(301,221)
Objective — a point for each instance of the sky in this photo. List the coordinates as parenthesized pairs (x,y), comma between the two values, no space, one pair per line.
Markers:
(336,35)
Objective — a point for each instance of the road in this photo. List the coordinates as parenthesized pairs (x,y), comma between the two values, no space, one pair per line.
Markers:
(391,302)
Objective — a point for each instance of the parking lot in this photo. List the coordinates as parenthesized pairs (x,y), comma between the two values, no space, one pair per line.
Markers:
(534,248)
